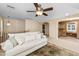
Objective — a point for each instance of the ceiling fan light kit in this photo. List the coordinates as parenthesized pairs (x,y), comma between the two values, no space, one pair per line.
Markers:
(39,13)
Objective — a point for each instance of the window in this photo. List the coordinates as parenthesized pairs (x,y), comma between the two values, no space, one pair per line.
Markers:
(71,27)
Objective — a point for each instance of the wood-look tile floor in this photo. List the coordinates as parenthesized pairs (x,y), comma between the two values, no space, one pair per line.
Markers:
(53,50)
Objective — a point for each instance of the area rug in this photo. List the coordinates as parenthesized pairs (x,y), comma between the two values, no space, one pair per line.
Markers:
(53,50)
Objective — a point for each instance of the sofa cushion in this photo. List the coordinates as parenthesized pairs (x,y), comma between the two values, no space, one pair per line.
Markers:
(30,37)
(38,36)
(33,36)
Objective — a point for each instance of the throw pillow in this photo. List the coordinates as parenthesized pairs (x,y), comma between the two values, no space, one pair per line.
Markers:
(13,41)
(20,40)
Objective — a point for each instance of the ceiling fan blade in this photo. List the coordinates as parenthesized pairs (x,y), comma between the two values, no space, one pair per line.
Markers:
(45,14)
(30,11)
(36,15)
(48,9)
(36,5)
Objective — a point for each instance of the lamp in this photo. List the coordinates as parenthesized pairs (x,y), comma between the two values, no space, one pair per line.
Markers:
(8,23)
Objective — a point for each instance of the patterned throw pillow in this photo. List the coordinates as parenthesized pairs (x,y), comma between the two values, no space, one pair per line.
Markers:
(13,41)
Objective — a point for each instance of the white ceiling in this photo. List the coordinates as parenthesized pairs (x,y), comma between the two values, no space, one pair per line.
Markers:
(60,10)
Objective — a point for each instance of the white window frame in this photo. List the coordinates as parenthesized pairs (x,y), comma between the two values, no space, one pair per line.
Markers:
(72,27)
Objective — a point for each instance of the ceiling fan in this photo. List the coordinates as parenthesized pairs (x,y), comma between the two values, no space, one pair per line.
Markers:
(40,11)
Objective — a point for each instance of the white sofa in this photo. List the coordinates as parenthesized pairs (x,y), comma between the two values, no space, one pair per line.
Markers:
(32,42)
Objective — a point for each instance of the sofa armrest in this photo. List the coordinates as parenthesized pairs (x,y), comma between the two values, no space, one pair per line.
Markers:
(44,36)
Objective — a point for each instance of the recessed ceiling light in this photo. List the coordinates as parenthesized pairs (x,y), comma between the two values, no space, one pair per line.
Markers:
(67,14)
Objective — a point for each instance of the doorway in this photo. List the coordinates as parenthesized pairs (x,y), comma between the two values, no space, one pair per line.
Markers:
(45,29)
(68,29)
